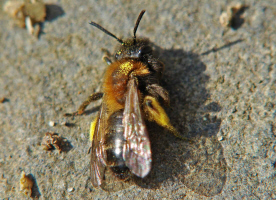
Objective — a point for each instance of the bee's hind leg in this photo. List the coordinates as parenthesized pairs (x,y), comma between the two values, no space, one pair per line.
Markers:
(158,91)
(155,112)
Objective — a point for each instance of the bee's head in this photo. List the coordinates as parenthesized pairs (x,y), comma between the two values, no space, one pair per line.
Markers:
(132,47)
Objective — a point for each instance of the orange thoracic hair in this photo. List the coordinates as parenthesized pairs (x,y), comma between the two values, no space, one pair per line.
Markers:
(116,79)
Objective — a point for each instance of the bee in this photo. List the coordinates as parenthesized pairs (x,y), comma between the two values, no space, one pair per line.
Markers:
(131,94)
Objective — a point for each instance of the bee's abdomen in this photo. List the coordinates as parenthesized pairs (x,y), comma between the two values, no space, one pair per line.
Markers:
(114,140)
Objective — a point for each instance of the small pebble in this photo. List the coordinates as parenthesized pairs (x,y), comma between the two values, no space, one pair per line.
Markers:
(63,123)
(52,123)
(82,135)
(2,100)
(71,189)
(26,184)
(220,138)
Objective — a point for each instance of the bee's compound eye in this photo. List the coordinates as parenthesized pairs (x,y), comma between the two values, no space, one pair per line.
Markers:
(145,50)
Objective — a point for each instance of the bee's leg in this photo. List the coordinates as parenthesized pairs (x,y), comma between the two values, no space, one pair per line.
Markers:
(106,52)
(107,60)
(155,112)
(93,97)
(157,66)
(92,128)
(89,150)
(158,91)
(106,57)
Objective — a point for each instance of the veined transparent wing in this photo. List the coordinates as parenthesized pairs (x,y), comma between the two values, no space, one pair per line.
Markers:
(137,150)
(101,174)
(97,149)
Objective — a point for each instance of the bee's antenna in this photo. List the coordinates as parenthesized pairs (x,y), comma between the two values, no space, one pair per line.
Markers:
(137,24)
(106,31)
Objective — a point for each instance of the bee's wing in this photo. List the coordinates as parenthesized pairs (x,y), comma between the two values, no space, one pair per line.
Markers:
(101,174)
(137,151)
(97,152)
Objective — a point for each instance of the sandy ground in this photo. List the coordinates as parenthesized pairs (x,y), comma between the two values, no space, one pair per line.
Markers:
(222,88)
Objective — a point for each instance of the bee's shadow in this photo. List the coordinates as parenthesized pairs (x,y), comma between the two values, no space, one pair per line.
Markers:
(200,166)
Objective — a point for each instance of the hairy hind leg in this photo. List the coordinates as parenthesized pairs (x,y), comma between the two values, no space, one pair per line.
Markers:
(155,112)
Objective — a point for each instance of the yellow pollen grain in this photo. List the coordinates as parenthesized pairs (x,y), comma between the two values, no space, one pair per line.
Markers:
(126,67)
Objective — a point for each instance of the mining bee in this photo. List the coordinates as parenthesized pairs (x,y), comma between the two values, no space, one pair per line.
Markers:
(131,95)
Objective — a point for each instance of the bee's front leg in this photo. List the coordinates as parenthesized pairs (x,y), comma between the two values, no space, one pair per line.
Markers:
(107,56)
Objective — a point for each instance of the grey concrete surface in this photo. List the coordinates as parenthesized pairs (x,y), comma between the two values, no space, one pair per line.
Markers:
(222,90)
